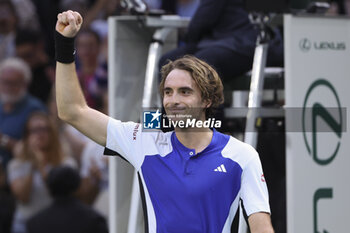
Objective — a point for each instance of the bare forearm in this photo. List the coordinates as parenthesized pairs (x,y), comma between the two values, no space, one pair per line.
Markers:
(71,104)
(260,223)
(69,97)
(22,188)
(266,230)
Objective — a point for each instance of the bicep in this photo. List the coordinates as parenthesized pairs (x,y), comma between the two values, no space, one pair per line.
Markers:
(260,222)
(92,124)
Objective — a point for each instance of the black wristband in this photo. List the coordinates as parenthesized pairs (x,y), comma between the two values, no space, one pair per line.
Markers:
(64,48)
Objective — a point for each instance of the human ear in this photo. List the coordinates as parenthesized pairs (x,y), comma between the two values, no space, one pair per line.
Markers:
(207,103)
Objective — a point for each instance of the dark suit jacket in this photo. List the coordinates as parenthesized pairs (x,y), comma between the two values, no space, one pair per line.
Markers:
(223,23)
(67,215)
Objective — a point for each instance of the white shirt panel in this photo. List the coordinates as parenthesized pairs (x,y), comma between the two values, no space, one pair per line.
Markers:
(254,191)
(129,141)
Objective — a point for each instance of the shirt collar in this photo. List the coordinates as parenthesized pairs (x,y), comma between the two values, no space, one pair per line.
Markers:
(191,152)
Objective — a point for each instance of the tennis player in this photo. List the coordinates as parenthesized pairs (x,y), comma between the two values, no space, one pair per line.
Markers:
(192,178)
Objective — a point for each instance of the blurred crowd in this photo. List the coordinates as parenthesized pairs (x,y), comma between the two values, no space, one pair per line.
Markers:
(46,166)
(49,170)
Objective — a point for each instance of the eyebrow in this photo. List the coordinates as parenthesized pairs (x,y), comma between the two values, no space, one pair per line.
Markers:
(167,89)
(180,88)
(186,89)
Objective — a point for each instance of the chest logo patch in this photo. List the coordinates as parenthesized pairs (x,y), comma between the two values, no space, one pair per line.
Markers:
(220,168)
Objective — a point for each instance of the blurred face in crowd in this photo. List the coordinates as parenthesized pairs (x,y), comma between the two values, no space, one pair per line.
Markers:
(7,19)
(88,48)
(38,133)
(41,142)
(29,53)
(13,86)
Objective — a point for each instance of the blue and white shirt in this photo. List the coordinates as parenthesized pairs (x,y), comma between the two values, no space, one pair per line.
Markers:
(188,192)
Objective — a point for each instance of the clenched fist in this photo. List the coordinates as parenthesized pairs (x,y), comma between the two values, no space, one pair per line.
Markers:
(69,23)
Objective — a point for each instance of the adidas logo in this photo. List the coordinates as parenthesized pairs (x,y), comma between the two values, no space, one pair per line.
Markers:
(220,168)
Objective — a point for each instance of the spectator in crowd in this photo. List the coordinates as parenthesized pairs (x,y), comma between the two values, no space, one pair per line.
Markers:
(93,10)
(96,13)
(339,7)
(92,75)
(47,12)
(72,141)
(30,47)
(221,34)
(7,204)
(153,4)
(27,14)
(184,8)
(94,172)
(8,25)
(66,214)
(38,152)
(15,104)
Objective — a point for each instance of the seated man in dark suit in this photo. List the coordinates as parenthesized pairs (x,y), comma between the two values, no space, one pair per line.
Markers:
(66,214)
(221,34)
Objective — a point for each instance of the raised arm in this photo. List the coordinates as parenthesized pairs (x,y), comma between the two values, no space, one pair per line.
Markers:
(71,105)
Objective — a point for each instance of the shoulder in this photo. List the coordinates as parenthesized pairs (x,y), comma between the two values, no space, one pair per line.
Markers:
(239,151)
(18,164)
(17,168)
(135,133)
(133,143)
(88,213)
(35,222)
(156,142)
(35,104)
(163,142)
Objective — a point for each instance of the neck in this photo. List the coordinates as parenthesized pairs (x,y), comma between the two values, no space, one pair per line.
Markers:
(197,139)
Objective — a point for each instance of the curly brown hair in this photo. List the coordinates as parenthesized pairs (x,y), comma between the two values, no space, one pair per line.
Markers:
(206,78)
